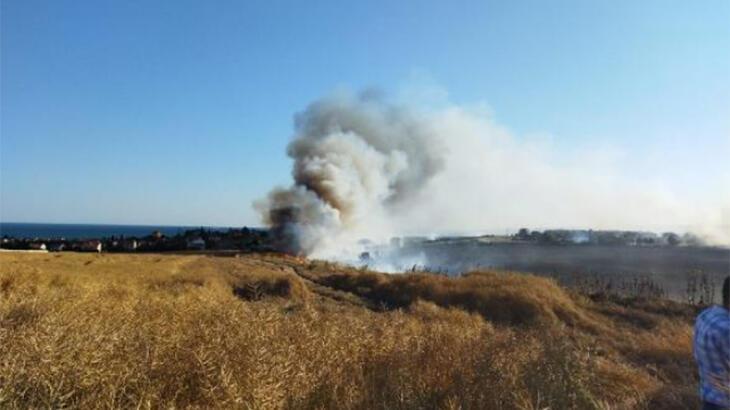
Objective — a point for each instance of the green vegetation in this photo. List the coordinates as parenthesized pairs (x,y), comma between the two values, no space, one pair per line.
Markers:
(267,331)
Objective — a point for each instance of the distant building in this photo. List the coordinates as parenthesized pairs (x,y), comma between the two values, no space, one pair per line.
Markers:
(197,244)
(56,246)
(129,245)
(90,246)
(37,246)
(580,236)
(123,245)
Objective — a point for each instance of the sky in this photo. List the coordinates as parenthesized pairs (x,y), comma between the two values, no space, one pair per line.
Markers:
(179,112)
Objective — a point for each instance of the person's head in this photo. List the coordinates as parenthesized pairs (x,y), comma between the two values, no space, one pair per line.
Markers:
(726,292)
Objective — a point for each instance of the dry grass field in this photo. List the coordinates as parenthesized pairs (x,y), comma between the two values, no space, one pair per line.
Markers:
(271,332)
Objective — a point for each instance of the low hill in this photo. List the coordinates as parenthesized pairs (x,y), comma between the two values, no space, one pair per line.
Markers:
(271,331)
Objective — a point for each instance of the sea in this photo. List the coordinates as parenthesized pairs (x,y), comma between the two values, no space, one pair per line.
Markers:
(90,231)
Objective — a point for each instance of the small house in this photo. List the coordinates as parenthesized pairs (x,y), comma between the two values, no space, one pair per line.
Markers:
(197,244)
(37,246)
(56,246)
(129,245)
(90,246)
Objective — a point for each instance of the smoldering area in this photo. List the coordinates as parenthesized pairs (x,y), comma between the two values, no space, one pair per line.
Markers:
(678,273)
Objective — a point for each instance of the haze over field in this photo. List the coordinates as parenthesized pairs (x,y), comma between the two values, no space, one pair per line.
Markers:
(365,167)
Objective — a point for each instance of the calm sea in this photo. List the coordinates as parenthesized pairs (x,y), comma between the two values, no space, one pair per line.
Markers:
(87,231)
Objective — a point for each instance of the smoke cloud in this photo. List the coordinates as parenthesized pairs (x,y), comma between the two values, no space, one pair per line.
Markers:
(365,168)
(356,160)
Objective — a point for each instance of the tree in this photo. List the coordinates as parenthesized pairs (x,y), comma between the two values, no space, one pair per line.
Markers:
(523,234)
(671,238)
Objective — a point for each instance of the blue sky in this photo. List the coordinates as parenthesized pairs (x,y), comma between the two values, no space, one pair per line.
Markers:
(179,112)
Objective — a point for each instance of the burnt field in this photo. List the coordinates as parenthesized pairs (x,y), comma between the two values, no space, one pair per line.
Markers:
(672,269)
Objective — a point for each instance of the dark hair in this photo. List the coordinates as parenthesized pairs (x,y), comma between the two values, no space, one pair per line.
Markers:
(726,292)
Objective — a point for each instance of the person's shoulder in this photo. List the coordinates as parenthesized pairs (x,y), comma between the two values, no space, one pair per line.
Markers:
(714,314)
(719,317)
(725,318)
(707,312)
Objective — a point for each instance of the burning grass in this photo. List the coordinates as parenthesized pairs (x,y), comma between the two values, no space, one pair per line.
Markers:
(275,332)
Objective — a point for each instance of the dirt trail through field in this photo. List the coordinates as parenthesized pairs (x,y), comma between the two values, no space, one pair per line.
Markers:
(335,295)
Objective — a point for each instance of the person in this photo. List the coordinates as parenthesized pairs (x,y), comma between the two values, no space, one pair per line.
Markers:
(712,352)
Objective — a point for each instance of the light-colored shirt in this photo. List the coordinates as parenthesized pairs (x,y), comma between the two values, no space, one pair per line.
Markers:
(712,352)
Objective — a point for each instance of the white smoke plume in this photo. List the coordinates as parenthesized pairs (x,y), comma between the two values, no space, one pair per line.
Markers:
(356,159)
(365,168)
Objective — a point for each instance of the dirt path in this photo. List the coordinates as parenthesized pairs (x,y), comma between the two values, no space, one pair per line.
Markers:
(327,292)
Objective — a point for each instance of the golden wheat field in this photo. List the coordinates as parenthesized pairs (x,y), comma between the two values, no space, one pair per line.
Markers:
(276,332)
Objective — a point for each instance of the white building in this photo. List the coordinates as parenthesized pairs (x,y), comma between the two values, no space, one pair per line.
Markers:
(197,244)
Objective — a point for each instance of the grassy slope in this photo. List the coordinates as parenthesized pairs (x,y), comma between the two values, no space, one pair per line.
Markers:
(268,331)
